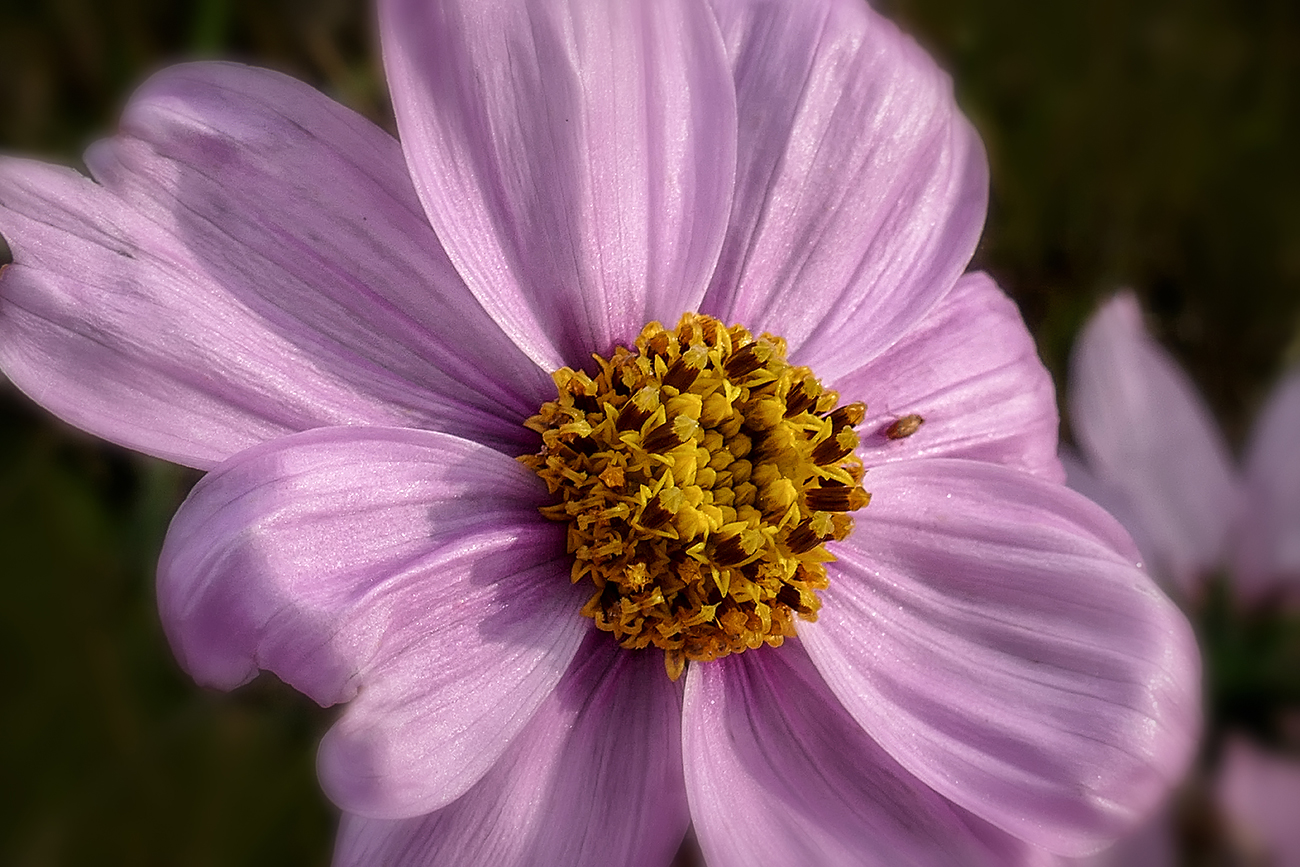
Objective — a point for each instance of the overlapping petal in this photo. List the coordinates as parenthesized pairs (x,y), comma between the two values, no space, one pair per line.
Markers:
(576,158)
(255,263)
(1267,552)
(1144,430)
(971,371)
(991,631)
(403,571)
(1110,497)
(779,774)
(595,779)
(860,189)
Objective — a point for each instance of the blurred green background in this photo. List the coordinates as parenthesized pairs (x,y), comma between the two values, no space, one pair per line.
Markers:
(1149,143)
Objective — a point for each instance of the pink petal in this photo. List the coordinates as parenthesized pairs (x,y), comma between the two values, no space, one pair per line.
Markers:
(577,158)
(971,371)
(991,631)
(1260,793)
(1110,497)
(1143,428)
(779,774)
(255,263)
(1268,544)
(860,188)
(1151,845)
(405,572)
(594,780)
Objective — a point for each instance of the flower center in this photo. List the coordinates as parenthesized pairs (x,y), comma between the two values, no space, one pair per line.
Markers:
(699,476)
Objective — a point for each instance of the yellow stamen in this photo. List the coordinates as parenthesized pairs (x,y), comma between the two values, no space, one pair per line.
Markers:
(700,475)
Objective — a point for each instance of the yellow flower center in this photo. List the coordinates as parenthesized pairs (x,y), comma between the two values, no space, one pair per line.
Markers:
(700,476)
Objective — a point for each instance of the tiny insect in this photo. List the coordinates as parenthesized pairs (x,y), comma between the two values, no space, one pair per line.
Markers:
(904,427)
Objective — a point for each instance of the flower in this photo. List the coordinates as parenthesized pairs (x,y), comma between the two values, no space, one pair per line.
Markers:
(1258,792)
(351,334)
(1255,794)
(1153,455)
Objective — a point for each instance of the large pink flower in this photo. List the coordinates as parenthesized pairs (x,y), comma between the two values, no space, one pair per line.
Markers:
(350,333)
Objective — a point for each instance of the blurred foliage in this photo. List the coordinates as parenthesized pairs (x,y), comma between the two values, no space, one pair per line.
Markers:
(110,754)
(1146,143)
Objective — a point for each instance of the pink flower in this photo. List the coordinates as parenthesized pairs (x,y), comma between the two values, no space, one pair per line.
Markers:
(254,284)
(1259,794)
(1153,455)
(1255,795)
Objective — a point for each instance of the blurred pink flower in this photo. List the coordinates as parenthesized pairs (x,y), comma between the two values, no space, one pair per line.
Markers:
(1153,455)
(350,332)
(1259,794)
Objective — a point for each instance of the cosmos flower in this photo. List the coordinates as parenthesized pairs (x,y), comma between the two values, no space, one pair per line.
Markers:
(541,441)
(1253,820)
(1257,791)
(1152,453)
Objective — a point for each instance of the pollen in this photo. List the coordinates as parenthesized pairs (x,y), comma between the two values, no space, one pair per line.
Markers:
(700,476)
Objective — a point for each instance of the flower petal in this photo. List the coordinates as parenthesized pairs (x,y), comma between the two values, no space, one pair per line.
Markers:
(1259,792)
(1151,845)
(779,774)
(971,371)
(1111,498)
(1268,543)
(255,263)
(576,158)
(404,571)
(1143,429)
(595,779)
(991,631)
(860,188)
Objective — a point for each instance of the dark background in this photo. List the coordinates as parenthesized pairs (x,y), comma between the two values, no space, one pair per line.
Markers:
(1134,143)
